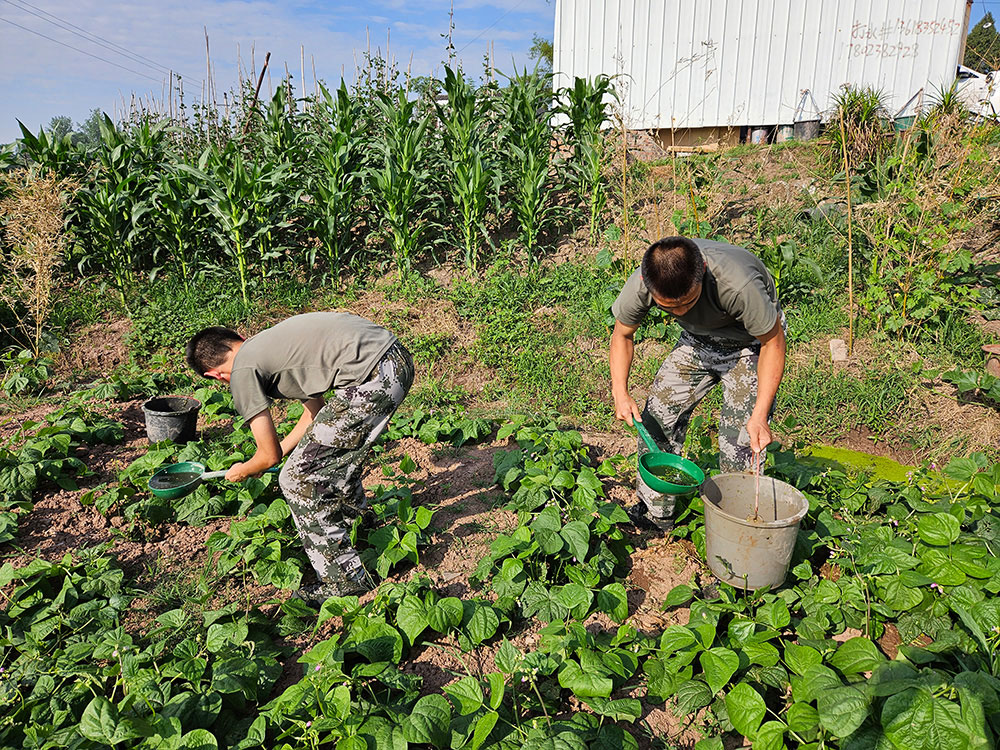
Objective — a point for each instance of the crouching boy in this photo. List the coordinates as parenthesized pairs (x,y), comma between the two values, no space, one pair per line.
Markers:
(350,375)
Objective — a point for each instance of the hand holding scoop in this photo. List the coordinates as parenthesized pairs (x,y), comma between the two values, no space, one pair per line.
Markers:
(176,481)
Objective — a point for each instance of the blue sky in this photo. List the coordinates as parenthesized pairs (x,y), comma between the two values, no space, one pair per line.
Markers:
(40,78)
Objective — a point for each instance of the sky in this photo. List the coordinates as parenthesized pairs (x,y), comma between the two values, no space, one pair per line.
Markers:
(142,40)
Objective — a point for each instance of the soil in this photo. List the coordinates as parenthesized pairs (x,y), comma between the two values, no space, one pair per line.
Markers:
(97,350)
(456,483)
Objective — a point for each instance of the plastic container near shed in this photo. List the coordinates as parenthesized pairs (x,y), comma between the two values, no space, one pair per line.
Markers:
(903,122)
(806,128)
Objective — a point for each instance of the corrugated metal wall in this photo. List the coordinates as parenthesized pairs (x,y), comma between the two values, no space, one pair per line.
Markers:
(705,63)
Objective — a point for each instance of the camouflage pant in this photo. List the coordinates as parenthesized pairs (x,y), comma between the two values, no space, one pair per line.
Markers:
(692,369)
(321,480)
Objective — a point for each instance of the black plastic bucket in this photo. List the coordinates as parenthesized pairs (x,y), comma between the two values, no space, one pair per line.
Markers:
(171,418)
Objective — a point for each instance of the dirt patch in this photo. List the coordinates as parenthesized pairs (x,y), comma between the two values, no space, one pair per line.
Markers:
(657,567)
(10,425)
(97,350)
(890,641)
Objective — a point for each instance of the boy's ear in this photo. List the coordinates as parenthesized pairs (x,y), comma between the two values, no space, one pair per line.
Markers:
(218,375)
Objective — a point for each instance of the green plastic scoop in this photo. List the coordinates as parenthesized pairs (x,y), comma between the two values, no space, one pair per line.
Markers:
(178,480)
(657,468)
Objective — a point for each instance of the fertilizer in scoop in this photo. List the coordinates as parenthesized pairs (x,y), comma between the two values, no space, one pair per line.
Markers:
(170,480)
(672,475)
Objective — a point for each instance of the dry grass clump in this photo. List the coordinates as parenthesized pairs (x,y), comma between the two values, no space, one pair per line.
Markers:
(32,212)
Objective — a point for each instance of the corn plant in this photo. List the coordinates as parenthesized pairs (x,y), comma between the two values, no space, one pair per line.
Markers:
(176,222)
(281,140)
(527,104)
(585,107)
(56,155)
(399,180)
(336,187)
(109,214)
(239,194)
(471,170)
(105,230)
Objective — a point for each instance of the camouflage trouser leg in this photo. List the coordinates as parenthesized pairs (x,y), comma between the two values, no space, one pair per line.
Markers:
(691,370)
(321,480)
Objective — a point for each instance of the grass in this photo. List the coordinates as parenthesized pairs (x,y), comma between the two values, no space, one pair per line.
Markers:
(831,403)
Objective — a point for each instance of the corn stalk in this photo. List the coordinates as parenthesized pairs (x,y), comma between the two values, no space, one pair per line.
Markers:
(585,106)
(240,195)
(527,139)
(335,189)
(471,171)
(400,179)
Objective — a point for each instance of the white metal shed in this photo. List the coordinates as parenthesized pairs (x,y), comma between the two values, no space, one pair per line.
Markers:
(715,66)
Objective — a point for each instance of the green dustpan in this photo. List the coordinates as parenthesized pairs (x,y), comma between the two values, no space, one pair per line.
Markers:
(654,464)
(178,480)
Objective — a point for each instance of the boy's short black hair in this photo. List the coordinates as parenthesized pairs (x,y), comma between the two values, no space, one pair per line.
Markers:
(672,267)
(209,348)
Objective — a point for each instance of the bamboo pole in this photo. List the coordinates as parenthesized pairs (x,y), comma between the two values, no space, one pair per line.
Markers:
(256,92)
(302,75)
(850,240)
(625,232)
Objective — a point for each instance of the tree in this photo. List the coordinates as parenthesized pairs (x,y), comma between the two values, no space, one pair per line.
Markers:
(982,48)
(59,127)
(541,52)
(88,132)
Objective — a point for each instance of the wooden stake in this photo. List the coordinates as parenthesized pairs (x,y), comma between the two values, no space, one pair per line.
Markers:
(625,234)
(850,240)
(302,75)
(256,92)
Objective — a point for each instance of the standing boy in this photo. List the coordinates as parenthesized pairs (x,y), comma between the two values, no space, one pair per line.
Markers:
(724,300)
(367,372)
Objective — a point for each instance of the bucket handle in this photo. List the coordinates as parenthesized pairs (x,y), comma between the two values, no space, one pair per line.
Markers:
(800,110)
(919,96)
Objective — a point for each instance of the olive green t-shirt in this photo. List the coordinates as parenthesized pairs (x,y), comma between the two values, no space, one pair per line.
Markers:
(304,357)
(738,300)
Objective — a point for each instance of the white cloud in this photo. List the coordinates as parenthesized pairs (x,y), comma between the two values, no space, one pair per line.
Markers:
(39,78)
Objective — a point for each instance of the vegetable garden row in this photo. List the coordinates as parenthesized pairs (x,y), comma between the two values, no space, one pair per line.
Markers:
(909,569)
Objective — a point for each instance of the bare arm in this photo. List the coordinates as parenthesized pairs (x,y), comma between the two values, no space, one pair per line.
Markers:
(310,409)
(770,368)
(622,351)
(268,449)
